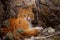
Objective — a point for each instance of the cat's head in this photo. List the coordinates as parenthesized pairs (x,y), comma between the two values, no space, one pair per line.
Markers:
(26,13)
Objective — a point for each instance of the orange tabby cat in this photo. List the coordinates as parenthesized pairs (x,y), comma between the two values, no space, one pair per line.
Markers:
(23,21)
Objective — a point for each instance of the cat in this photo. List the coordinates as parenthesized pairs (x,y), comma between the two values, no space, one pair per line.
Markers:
(23,21)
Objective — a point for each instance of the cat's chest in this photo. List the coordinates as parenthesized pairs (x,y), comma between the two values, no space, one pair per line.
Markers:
(25,23)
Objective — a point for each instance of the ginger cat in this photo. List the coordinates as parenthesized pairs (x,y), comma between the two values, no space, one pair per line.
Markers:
(24,18)
(23,21)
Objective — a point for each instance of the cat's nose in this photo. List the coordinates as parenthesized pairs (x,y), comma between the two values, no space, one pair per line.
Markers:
(29,19)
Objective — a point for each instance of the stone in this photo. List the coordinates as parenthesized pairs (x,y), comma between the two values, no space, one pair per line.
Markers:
(51,30)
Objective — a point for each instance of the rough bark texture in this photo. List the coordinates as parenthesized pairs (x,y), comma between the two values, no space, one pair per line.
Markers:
(48,12)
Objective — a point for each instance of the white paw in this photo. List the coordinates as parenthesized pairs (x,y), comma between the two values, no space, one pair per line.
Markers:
(38,28)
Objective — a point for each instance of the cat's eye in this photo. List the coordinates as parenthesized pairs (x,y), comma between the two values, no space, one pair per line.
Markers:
(28,14)
(24,15)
